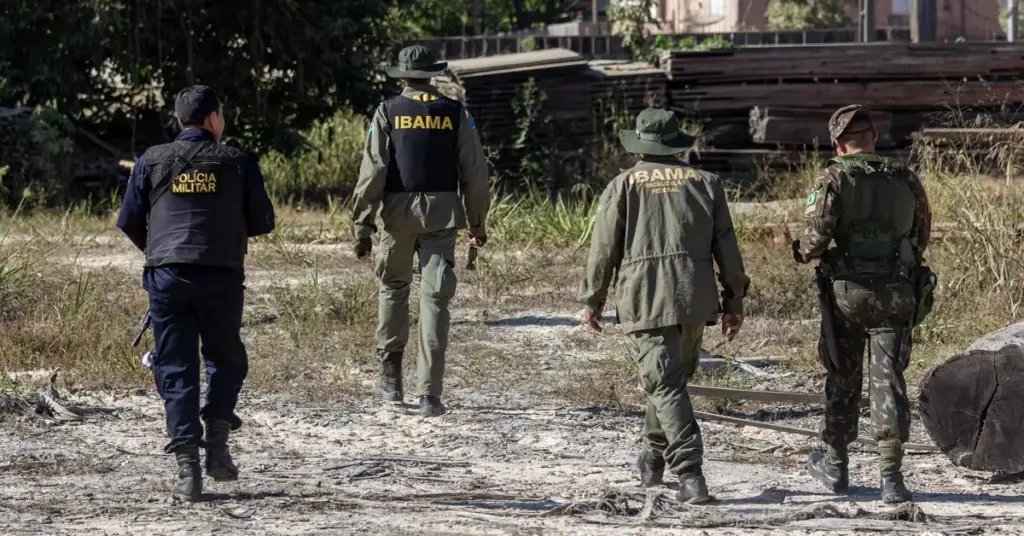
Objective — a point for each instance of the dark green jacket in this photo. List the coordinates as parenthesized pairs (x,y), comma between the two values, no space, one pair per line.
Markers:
(662,226)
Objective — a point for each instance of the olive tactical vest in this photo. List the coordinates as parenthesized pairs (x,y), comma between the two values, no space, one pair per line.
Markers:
(873,234)
(424,144)
(196,217)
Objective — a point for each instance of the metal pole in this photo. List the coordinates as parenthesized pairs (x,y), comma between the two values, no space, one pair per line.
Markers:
(1013,24)
(867,21)
(595,10)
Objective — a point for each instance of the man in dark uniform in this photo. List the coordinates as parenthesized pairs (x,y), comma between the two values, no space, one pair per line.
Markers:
(876,211)
(190,207)
(424,171)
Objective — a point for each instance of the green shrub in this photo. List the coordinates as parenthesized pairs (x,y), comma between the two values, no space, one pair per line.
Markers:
(327,169)
(35,155)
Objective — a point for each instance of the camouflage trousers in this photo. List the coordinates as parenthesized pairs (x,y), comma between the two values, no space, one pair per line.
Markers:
(668,358)
(394,266)
(875,313)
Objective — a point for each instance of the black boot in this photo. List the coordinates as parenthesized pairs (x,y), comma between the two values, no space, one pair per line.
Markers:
(390,383)
(831,468)
(431,406)
(892,489)
(652,468)
(219,465)
(189,485)
(693,488)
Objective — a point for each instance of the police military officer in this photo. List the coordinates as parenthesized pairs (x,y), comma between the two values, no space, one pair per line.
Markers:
(661,228)
(876,211)
(424,171)
(190,207)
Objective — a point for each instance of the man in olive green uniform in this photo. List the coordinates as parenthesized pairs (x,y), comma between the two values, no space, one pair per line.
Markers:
(876,211)
(661,228)
(424,168)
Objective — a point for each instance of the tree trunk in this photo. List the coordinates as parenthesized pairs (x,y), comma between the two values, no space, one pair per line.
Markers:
(973,404)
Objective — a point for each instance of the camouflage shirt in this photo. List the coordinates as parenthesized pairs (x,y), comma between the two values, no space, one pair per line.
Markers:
(824,209)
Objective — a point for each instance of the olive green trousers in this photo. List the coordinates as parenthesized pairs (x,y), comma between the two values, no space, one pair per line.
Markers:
(394,267)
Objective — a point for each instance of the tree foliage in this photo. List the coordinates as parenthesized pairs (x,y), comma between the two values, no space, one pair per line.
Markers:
(804,15)
(279,64)
(629,21)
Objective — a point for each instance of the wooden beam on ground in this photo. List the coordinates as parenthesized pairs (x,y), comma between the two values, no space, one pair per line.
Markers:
(797,431)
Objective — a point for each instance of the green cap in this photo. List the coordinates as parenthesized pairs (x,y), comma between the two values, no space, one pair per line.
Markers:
(657,133)
(417,62)
(842,118)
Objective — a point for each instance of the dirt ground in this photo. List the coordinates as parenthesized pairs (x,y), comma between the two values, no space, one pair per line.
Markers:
(512,456)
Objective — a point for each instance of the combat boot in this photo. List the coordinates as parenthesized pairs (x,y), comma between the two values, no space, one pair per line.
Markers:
(693,488)
(219,465)
(431,406)
(189,484)
(831,468)
(390,383)
(892,489)
(652,468)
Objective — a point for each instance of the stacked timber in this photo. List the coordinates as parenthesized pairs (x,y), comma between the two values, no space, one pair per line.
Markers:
(786,93)
(489,86)
(575,97)
(626,86)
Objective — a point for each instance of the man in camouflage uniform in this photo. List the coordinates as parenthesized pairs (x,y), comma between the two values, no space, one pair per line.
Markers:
(424,168)
(661,228)
(876,211)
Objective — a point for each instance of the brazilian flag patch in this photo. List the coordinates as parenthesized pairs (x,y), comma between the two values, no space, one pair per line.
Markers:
(813,198)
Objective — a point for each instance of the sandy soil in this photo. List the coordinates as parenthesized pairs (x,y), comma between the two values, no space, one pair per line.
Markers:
(498,463)
(508,458)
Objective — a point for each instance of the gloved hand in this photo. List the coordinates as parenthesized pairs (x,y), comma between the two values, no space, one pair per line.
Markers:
(363,247)
(477,241)
(797,256)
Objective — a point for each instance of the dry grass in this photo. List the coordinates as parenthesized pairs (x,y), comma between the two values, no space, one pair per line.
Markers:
(311,306)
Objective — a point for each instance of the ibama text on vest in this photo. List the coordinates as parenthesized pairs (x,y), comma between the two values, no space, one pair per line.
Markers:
(423,122)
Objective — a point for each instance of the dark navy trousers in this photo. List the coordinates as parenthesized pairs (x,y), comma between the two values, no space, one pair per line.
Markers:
(189,304)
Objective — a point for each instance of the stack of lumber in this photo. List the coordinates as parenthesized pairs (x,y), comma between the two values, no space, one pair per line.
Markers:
(626,86)
(578,96)
(488,86)
(786,93)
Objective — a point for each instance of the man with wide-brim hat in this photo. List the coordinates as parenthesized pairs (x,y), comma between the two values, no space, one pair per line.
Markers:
(662,227)
(423,177)
(875,211)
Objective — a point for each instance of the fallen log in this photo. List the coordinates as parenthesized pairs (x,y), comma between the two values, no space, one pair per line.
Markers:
(973,407)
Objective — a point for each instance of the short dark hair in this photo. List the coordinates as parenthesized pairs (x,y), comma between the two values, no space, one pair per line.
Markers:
(194,103)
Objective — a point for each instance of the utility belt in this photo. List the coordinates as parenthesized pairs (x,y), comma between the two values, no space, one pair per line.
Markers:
(842,266)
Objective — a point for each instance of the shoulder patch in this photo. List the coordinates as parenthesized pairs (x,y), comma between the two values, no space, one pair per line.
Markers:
(813,198)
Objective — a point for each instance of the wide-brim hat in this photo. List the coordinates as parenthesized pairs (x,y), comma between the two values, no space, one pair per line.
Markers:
(839,123)
(657,133)
(417,62)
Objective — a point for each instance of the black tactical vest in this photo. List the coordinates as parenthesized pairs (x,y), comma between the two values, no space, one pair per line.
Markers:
(196,217)
(878,207)
(424,144)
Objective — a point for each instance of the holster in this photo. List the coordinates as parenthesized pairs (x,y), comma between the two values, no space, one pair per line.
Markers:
(925,283)
(824,285)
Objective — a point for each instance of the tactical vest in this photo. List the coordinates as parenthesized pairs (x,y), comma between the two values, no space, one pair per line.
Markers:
(424,144)
(873,234)
(196,217)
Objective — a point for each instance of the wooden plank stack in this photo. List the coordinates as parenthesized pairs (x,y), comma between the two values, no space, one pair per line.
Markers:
(786,93)
(488,86)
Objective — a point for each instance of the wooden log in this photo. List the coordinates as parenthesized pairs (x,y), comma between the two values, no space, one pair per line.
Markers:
(973,408)
(804,126)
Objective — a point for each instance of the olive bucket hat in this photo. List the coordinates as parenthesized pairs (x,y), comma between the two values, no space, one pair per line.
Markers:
(841,119)
(417,62)
(657,133)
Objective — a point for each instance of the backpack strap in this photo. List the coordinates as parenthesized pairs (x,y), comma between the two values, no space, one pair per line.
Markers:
(181,161)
